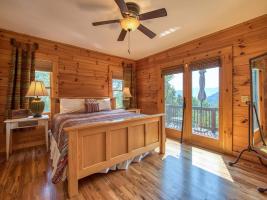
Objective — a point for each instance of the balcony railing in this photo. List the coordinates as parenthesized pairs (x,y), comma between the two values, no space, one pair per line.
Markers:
(204,120)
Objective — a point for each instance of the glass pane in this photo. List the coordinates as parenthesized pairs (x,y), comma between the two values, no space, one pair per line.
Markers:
(174,101)
(256,98)
(43,76)
(119,98)
(117,84)
(205,102)
(47,101)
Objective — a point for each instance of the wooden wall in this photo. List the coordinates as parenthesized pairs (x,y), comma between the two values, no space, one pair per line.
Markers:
(81,72)
(77,72)
(248,40)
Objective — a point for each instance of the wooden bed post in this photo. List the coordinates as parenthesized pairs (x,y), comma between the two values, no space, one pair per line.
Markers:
(163,135)
(72,164)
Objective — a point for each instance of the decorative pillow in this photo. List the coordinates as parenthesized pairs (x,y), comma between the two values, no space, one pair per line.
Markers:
(72,105)
(91,105)
(104,104)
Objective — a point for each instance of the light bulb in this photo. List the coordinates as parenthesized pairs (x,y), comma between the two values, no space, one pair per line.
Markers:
(130,23)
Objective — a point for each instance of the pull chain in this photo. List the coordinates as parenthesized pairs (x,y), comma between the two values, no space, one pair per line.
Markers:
(129,42)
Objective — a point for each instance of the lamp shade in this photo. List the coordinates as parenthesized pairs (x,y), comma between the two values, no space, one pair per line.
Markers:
(126,92)
(37,88)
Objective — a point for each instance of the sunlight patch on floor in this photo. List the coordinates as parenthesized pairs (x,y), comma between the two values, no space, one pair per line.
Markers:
(173,148)
(203,159)
(210,162)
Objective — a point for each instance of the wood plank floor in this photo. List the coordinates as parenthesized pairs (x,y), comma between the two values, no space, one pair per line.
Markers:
(185,172)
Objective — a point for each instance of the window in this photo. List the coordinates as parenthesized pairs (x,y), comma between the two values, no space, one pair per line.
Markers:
(45,77)
(117,86)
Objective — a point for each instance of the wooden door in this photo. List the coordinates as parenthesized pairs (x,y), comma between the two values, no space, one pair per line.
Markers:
(204,104)
(221,116)
(173,101)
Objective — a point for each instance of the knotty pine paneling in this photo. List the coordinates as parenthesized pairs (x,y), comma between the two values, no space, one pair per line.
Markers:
(80,70)
(248,40)
(80,73)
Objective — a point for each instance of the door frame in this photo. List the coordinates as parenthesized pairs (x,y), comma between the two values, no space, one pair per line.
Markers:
(215,144)
(172,133)
(226,105)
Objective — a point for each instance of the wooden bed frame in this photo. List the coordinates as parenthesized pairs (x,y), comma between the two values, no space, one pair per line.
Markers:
(94,147)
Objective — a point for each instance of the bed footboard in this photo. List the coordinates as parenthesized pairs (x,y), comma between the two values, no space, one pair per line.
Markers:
(94,147)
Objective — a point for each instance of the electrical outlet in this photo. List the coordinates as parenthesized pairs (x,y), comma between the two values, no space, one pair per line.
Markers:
(244,99)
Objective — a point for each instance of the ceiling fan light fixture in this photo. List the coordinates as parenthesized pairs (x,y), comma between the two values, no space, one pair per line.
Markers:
(130,23)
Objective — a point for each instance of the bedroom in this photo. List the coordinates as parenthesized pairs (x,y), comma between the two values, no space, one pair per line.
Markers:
(85,104)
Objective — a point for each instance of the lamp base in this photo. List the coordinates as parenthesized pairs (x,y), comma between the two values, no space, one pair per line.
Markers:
(126,103)
(37,115)
(37,107)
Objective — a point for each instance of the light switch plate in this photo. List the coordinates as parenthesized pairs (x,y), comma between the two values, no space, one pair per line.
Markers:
(244,99)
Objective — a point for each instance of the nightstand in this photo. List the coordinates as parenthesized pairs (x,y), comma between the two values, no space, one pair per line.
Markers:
(134,110)
(24,123)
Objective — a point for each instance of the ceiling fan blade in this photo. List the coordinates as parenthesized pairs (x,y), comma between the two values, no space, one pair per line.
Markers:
(106,22)
(146,31)
(153,14)
(122,35)
(122,5)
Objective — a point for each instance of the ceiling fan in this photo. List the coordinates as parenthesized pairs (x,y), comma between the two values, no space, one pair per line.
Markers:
(130,12)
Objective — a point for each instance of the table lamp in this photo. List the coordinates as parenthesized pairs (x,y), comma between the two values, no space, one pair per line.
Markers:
(126,97)
(36,90)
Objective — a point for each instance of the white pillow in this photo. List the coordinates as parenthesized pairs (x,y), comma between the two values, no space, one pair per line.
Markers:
(72,105)
(104,104)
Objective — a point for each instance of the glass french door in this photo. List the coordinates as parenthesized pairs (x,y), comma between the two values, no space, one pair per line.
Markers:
(205,106)
(173,101)
(200,88)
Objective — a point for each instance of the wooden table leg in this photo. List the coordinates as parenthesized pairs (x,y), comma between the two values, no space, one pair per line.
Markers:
(46,135)
(163,136)
(8,132)
(11,143)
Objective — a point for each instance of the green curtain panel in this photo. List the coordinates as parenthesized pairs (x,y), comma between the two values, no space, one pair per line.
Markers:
(22,72)
(129,78)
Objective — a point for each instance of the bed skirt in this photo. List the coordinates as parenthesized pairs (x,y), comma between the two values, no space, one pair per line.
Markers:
(55,155)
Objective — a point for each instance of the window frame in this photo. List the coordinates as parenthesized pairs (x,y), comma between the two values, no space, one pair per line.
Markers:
(48,88)
(114,90)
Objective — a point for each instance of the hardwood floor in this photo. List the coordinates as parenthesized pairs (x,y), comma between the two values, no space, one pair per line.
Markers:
(185,172)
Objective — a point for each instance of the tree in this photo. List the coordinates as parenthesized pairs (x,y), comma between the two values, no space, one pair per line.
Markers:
(171,96)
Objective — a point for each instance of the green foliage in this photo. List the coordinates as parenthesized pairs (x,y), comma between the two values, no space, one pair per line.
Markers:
(45,77)
(171,97)
(197,103)
(117,86)
(175,98)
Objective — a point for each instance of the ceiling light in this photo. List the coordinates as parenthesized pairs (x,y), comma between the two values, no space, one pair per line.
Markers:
(130,23)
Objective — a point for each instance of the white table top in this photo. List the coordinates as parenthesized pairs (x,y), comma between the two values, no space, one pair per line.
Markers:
(30,118)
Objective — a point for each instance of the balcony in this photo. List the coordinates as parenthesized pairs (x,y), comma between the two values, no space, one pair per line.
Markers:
(205,121)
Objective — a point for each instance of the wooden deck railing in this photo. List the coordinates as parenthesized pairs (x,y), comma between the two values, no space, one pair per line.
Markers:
(202,118)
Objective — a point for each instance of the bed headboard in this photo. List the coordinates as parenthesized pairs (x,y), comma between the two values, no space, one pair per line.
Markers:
(57,101)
